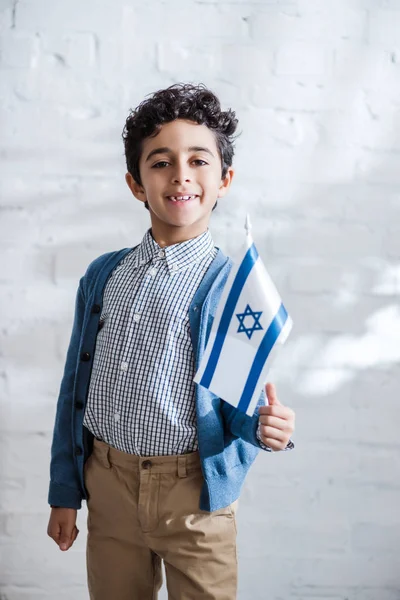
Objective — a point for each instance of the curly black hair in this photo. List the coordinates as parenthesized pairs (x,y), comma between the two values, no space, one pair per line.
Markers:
(179,101)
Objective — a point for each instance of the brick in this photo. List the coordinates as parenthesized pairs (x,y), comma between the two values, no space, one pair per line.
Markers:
(382,593)
(31,343)
(378,505)
(15,190)
(361,571)
(364,204)
(390,4)
(303,164)
(392,246)
(331,311)
(38,15)
(367,537)
(28,576)
(6,16)
(12,492)
(17,50)
(373,278)
(375,383)
(383,27)
(328,240)
(280,128)
(375,347)
(190,23)
(31,417)
(369,64)
(248,61)
(25,268)
(274,3)
(74,50)
(314,538)
(326,23)
(359,128)
(17,593)
(302,59)
(70,264)
(300,94)
(174,57)
(13,224)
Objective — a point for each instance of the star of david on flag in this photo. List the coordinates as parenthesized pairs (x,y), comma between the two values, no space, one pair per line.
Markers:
(249,325)
(256,325)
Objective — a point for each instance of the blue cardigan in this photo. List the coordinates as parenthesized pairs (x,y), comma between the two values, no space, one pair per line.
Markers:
(226,437)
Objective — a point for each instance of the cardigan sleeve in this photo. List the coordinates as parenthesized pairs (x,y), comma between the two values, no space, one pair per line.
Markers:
(64,487)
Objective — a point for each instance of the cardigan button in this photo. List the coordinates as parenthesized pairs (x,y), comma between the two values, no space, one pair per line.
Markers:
(78,451)
(85,356)
(79,405)
(96,308)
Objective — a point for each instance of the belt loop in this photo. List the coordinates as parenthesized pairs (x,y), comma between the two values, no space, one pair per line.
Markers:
(182,466)
(107,457)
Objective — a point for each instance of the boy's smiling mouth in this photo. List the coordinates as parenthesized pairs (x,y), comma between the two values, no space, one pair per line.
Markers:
(182,199)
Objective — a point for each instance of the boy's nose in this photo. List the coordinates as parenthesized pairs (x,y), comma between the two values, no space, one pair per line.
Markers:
(181,173)
(181,179)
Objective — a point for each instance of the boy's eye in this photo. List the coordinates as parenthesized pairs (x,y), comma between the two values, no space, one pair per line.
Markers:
(164,162)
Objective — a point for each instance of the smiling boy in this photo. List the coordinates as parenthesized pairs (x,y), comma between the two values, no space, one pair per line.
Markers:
(159,459)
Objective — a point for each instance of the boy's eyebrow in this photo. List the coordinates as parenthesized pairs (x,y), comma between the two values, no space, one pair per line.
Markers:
(166,150)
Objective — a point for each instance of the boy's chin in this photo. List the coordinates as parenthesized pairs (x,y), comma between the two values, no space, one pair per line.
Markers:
(181,220)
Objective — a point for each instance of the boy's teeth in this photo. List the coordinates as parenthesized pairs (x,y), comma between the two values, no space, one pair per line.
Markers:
(175,198)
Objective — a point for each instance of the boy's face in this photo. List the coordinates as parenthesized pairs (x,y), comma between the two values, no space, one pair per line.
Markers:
(179,170)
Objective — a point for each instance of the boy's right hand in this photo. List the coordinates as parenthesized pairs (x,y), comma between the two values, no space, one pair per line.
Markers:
(62,528)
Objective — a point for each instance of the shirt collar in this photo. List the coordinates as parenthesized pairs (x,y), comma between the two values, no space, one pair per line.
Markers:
(176,256)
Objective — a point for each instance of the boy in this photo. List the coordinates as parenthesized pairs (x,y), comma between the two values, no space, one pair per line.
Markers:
(160,460)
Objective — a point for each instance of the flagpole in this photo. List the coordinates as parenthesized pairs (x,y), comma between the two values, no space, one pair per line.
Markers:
(247,226)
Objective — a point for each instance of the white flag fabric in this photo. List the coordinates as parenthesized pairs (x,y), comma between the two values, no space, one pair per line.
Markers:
(250,324)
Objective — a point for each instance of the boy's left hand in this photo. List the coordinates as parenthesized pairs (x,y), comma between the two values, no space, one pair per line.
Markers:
(277,421)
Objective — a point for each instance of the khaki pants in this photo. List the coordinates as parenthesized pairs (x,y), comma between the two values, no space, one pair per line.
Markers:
(144,510)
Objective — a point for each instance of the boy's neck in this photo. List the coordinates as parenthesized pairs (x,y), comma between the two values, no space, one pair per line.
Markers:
(169,238)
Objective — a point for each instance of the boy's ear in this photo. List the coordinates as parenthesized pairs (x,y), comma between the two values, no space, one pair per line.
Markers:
(136,189)
(225,183)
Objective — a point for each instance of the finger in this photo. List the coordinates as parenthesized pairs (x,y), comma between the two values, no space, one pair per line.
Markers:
(74,534)
(271,394)
(272,434)
(65,545)
(65,539)
(53,531)
(277,423)
(276,410)
(274,444)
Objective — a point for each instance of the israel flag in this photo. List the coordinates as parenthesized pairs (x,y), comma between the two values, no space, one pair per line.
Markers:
(249,325)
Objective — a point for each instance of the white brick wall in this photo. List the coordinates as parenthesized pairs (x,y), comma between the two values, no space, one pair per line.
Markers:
(316,87)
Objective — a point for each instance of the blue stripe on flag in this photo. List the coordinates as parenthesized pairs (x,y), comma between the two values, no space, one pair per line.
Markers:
(261,356)
(243,272)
